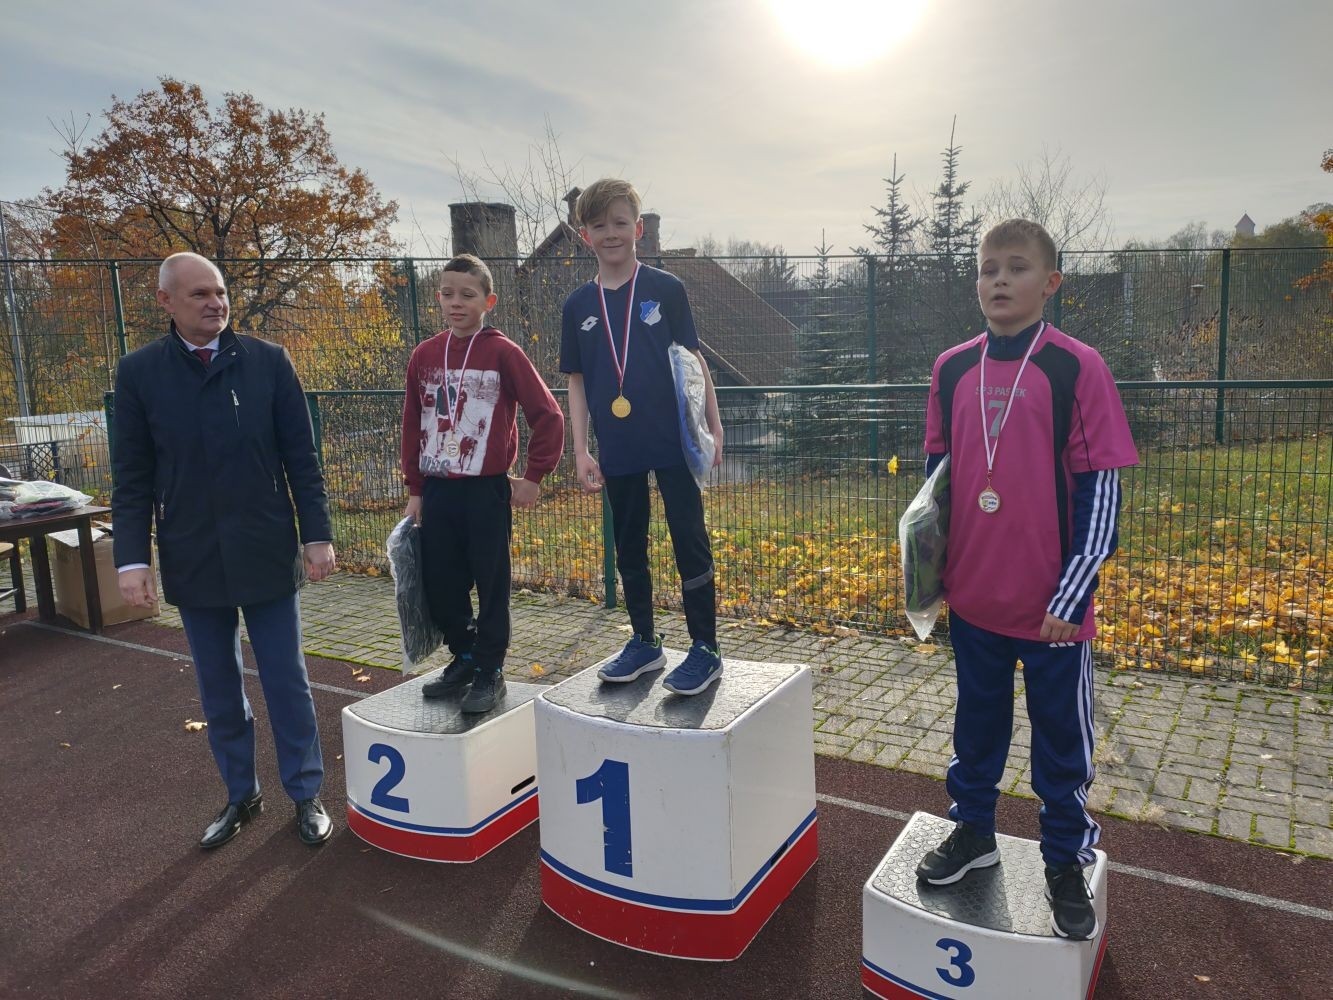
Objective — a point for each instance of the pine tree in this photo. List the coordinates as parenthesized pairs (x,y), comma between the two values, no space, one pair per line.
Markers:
(951,231)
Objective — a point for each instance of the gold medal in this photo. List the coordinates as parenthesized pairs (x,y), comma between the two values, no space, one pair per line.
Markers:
(620,406)
(988,500)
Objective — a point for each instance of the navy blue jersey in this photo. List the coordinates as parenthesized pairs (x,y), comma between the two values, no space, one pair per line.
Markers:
(649,438)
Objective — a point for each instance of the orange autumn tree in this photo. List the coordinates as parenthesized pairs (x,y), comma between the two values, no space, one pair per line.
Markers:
(260,191)
(1322,220)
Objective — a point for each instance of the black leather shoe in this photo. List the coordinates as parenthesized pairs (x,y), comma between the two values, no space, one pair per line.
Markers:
(488,688)
(313,825)
(453,678)
(230,820)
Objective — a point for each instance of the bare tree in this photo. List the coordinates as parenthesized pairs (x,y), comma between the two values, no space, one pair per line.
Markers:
(1046,190)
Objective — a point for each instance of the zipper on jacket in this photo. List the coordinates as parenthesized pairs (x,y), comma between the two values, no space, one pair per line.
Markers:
(236,408)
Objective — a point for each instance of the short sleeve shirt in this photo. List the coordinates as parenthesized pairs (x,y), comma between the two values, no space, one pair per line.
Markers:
(649,438)
(1066,418)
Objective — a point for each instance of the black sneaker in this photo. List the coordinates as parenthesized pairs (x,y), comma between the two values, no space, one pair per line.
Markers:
(1072,915)
(487,689)
(452,679)
(962,850)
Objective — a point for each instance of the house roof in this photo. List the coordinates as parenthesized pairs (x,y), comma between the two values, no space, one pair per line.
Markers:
(744,338)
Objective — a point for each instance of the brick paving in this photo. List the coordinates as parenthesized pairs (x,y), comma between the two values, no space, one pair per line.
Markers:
(1235,760)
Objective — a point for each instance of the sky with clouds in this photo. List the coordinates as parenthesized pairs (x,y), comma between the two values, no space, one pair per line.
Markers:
(730,124)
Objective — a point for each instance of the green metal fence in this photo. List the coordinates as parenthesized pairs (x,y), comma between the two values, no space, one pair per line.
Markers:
(1226,369)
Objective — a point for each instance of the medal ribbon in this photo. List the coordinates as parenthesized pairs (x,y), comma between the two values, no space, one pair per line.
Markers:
(455,409)
(993,447)
(610,337)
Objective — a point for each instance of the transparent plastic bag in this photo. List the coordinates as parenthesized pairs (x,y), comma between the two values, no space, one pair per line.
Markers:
(923,539)
(696,440)
(36,498)
(420,637)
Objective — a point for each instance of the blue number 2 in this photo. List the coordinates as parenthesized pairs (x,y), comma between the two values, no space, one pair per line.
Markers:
(959,973)
(610,783)
(380,796)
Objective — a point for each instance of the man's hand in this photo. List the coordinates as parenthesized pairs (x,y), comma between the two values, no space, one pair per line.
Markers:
(524,492)
(319,561)
(1057,629)
(413,509)
(138,587)
(589,472)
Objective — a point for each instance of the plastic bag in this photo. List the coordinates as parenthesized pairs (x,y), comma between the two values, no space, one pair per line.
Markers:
(696,439)
(923,539)
(36,498)
(419,634)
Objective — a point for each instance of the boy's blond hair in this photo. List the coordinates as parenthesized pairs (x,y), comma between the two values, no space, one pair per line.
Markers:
(467,263)
(595,201)
(1016,231)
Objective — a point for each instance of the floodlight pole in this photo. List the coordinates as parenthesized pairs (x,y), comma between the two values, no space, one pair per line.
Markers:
(20,380)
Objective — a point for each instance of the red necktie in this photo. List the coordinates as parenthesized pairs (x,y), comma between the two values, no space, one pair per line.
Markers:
(204,354)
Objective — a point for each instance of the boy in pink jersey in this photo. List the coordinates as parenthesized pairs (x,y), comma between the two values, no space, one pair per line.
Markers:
(1036,433)
(460,438)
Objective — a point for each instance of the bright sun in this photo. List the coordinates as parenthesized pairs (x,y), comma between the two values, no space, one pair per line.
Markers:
(847,33)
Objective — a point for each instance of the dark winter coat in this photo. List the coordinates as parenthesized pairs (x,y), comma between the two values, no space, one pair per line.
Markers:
(216,455)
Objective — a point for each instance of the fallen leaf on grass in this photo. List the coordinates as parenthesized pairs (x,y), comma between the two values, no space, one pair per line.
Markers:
(194,727)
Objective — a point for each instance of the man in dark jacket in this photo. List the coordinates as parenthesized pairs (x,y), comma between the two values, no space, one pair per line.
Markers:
(213,440)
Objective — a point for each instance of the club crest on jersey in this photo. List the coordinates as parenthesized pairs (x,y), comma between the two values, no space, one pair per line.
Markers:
(650,312)
(589,323)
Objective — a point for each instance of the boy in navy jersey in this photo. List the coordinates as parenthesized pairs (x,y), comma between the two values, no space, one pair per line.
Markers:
(1037,432)
(460,437)
(616,333)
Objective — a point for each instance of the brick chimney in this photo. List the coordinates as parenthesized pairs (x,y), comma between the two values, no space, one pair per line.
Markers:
(571,199)
(650,243)
(484,228)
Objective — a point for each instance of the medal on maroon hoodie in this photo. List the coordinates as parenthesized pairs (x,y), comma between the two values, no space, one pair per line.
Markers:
(620,405)
(989,499)
(452,448)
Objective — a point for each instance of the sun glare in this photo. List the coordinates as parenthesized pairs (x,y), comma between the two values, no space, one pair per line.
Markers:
(847,33)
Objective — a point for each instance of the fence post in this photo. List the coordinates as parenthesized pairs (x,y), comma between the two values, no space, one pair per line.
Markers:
(1224,309)
(872,346)
(109,407)
(608,553)
(1059,310)
(312,404)
(410,266)
(121,342)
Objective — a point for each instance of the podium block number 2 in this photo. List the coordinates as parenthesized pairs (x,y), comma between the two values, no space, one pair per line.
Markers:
(610,783)
(379,795)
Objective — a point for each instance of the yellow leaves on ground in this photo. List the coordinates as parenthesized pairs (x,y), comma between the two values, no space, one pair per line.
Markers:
(191,726)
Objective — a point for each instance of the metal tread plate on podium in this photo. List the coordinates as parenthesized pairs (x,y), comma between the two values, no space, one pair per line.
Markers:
(631,772)
(427,781)
(1007,897)
(645,702)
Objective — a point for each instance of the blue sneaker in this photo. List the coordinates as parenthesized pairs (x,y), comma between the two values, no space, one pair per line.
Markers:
(701,666)
(635,660)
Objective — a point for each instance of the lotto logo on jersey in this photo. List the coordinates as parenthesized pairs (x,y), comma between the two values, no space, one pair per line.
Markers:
(589,323)
(650,312)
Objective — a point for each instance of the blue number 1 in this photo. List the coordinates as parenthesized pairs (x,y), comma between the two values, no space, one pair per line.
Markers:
(962,954)
(610,783)
(379,795)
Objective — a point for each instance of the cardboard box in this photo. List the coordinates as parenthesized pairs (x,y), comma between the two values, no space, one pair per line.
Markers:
(67,579)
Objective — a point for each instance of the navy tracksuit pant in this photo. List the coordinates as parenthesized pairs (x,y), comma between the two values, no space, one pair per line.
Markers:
(1058,682)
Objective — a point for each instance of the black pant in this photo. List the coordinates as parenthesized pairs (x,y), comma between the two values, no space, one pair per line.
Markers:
(465,531)
(689,538)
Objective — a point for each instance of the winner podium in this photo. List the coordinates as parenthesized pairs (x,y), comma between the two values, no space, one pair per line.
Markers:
(677,825)
(426,781)
(988,935)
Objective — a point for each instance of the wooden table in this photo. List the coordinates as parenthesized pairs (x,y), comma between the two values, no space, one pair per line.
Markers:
(35,529)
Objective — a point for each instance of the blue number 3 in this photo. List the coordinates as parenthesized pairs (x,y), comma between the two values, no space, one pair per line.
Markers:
(959,973)
(380,796)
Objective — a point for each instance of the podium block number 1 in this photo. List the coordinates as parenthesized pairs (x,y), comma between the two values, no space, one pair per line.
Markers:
(380,796)
(610,783)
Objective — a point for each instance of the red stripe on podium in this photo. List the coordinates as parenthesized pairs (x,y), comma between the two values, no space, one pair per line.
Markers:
(705,935)
(437,847)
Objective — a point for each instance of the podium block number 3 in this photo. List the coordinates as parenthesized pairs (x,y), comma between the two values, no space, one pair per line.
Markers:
(379,795)
(610,783)
(958,972)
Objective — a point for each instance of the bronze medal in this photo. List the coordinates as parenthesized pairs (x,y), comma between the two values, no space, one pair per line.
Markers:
(988,500)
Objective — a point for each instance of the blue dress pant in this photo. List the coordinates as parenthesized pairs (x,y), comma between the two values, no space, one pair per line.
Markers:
(1058,682)
(275,637)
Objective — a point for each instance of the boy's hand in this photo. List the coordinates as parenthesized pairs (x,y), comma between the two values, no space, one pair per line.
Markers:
(524,492)
(717,439)
(1057,629)
(589,472)
(413,509)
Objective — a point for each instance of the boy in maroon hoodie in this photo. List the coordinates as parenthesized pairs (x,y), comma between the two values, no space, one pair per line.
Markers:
(460,438)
